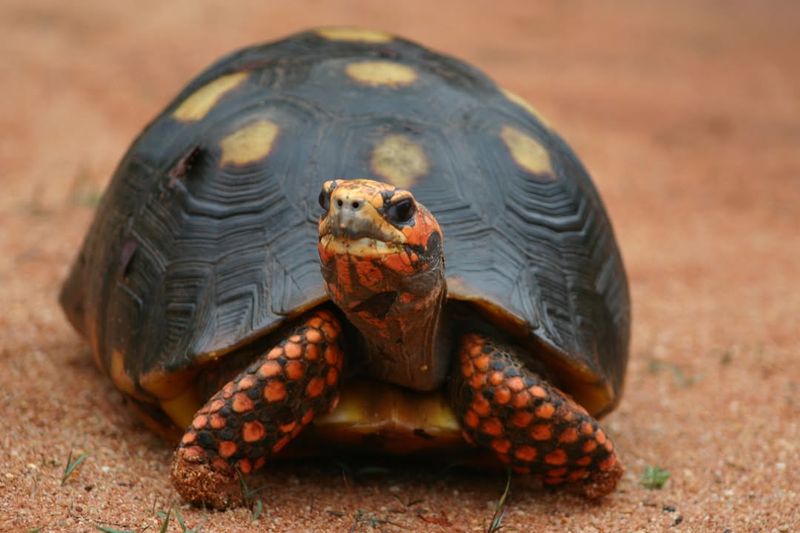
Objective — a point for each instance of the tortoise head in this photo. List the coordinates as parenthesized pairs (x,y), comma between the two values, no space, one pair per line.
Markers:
(368,220)
(382,259)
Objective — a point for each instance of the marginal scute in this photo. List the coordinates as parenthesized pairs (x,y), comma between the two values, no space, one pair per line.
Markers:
(197,106)
(121,378)
(352,34)
(524,104)
(249,144)
(399,160)
(381,73)
(528,153)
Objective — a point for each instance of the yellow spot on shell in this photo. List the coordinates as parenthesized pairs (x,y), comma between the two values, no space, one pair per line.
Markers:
(203,99)
(528,152)
(249,144)
(381,73)
(524,104)
(348,33)
(400,160)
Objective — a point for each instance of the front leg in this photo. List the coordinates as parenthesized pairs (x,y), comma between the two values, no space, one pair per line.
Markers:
(257,413)
(528,423)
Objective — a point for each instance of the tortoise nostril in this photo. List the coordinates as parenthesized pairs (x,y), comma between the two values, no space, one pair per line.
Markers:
(356,205)
(339,202)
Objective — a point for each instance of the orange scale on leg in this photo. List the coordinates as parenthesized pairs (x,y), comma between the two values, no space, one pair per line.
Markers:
(492,426)
(244,466)
(578,475)
(315,387)
(568,435)
(275,353)
(521,400)
(471,419)
(481,406)
(541,432)
(515,384)
(521,419)
(589,446)
(315,323)
(312,352)
(496,378)
(293,350)
(269,369)
(217,422)
(607,463)
(193,452)
(226,448)
(253,431)
(199,422)
(538,392)
(545,410)
(307,417)
(287,428)
(313,336)
(501,445)
(609,446)
(467,370)
(600,436)
(215,406)
(278,446)
(188,437)
(502,395)
(259,463)
(478,380)
(526,453)
(275,391)
(586,429)
(557,472)
(294,370)
(331,356)
(242,403)
(556,457)
(228,390)
(481,363)
(246,382)
(586,460)
(295,339)
(332,377)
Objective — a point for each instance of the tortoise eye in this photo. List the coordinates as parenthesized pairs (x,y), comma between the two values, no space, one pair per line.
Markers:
(324,199)
(401,211)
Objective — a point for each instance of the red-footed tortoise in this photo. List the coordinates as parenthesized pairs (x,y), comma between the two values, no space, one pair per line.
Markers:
(228,297)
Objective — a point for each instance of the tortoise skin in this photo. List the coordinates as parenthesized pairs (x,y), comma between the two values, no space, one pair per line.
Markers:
(188,258)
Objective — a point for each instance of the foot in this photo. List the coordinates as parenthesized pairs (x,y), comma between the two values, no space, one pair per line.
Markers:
(529,424)
(259,412)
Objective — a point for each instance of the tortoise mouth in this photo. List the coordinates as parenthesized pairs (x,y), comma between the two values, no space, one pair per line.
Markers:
(364,246)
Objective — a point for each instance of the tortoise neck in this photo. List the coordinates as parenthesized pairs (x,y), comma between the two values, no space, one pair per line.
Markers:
(400,319)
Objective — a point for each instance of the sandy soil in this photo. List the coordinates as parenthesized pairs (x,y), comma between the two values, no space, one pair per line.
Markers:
(689,118)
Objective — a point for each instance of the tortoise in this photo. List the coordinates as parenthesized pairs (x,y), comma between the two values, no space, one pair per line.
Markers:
(234,302)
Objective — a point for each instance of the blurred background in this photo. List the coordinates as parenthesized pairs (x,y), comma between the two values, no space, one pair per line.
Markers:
(687,114)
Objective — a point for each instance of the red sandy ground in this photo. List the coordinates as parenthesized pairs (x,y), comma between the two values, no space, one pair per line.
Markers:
(687,114)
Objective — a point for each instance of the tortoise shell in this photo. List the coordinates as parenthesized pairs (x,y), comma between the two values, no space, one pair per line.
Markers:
(205,239)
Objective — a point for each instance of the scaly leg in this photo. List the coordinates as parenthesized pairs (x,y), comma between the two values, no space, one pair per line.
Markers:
(257,413)
(528,423)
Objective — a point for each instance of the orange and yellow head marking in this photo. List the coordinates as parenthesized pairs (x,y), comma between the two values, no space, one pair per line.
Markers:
(375,226)
(199,103)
